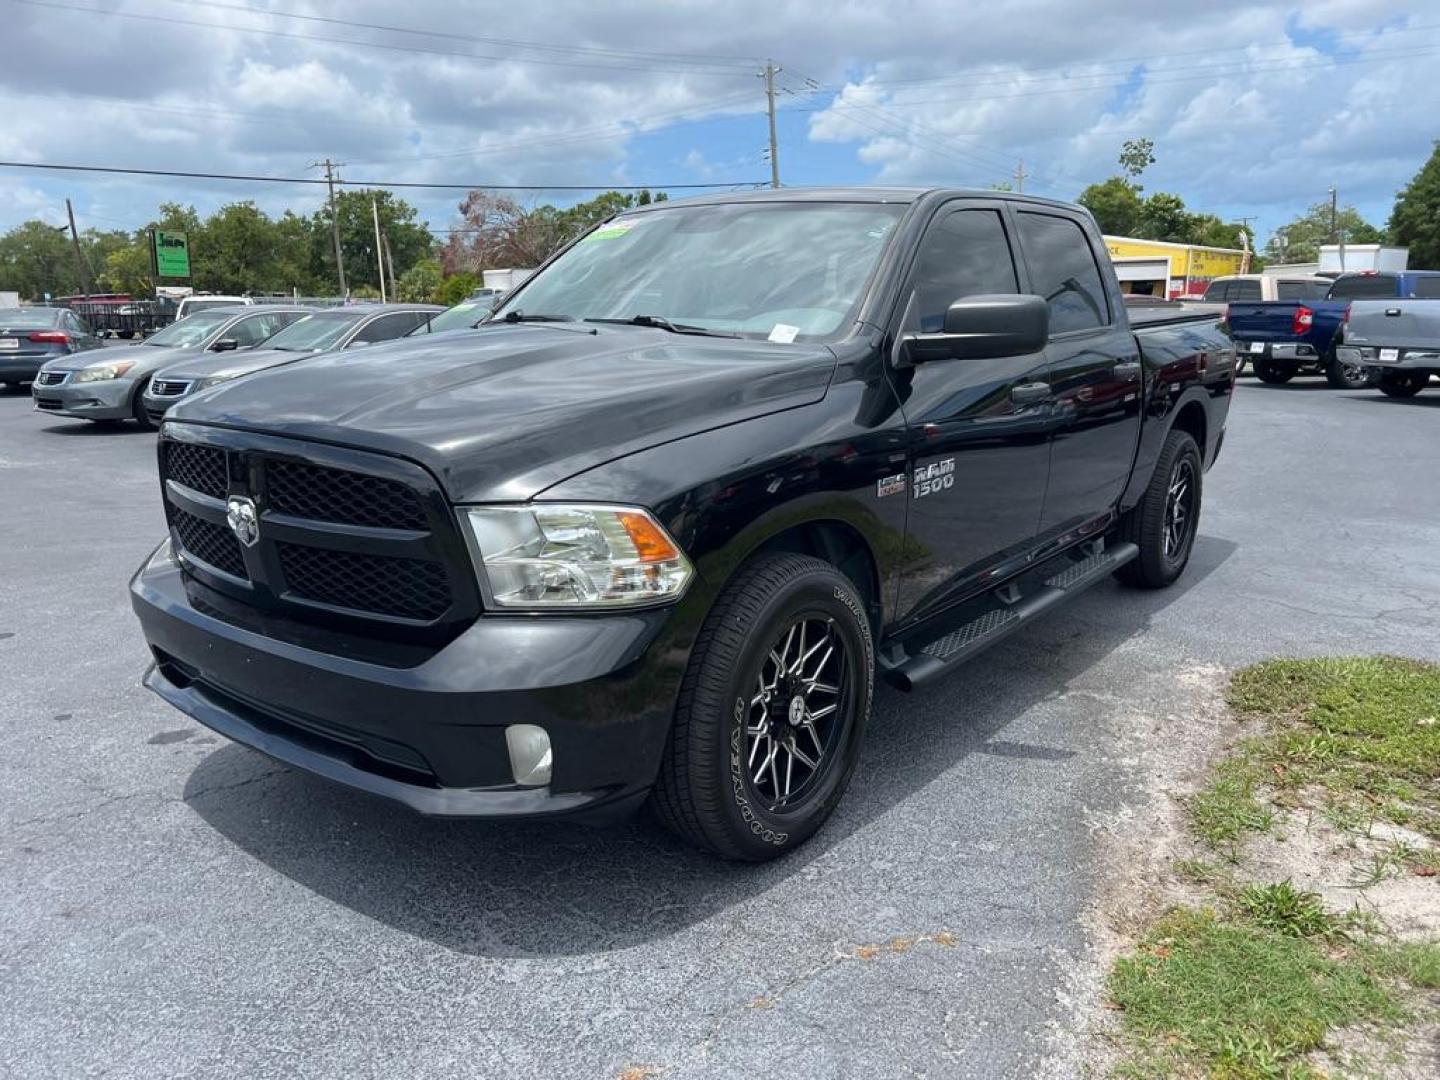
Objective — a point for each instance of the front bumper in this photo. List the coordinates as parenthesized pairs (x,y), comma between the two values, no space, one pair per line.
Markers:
(1398,359)
(430,734)
(157,407)
(108,399)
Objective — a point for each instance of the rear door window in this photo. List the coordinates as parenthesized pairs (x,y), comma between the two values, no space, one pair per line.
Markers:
(1063,270)
(1427,288)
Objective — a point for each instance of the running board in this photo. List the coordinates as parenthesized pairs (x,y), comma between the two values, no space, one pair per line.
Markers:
(1015,608)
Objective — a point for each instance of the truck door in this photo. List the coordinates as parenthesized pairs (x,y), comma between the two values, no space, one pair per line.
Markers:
(1093,370)
(977,428)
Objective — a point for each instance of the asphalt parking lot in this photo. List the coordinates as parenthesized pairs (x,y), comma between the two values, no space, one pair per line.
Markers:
(179,906)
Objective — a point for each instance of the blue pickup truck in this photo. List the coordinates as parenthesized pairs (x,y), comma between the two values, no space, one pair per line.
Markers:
(1285,338)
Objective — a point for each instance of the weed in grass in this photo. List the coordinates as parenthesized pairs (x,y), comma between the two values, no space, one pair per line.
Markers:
(1287,910)
(1388,863)
(1229,805)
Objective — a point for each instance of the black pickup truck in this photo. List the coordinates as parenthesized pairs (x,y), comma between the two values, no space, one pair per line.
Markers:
(652,530)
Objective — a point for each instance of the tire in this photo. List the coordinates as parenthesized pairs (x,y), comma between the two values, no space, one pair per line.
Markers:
(1164,553)
(1402,384)
(1345,376)
(709,791)
(137,407)
(1268,371)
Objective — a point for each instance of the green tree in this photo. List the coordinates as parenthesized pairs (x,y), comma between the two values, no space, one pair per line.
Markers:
(239,251)
(1163,217)
(421,282)
(1116,204)
(455,288)
(35,259)
(1137,155)
(127,270)
(1299,241)
(410,240)
(1415,221)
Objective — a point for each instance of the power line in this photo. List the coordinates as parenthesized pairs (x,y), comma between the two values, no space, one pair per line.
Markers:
(584,50)
(375,183)
(677,69)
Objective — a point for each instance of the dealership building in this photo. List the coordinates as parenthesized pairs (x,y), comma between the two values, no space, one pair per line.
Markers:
(1160,268)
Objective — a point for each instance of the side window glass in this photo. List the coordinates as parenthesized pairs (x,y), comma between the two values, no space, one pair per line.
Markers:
(1245,290)
(1217,291)
(965,253)
(256,328)
(387,327)
(1064,271)
(1427,288)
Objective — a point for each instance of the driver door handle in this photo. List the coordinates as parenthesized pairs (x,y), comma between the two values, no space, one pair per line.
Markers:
(1029,393)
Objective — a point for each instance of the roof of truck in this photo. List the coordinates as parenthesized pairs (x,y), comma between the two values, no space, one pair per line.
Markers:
(848,194)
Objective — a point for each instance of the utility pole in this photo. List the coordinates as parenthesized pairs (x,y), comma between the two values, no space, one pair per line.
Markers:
(330,167)
(1335,225)
(379,254)
(1020,175)
(770,72)
(1247,242)
(80,265)
(390,265)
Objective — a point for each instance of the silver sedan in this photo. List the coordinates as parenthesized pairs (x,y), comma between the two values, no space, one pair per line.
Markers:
(106,385)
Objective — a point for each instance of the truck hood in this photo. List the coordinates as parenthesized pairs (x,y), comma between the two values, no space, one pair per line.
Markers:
(503,412)
(230,365)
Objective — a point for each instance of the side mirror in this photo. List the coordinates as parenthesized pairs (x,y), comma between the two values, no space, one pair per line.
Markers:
(228,344)
(1007,324)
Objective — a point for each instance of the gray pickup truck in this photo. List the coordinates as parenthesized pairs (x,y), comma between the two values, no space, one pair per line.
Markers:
(1397,340)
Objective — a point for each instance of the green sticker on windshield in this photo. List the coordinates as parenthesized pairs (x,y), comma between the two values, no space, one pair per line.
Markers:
(613,231)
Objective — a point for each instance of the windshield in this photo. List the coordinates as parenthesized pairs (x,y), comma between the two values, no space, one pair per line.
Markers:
(319,331)
(765,270)
(27,317)
(191,330)
(461,315)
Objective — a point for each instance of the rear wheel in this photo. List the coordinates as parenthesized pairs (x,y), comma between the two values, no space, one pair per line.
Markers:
(1268,371)
(771,712)
(1403,384)
(1164,523)
(1346,374)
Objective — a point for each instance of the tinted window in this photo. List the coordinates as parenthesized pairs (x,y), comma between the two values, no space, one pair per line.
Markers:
(75,324)
(1364,287)
(1301,290)
(1245,290)
(1218,290)
(1063,270)
(1428,288)
(388,327)
(254,329)
(964,254)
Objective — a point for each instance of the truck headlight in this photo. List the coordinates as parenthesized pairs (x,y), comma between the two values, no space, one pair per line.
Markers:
(102,372)
(553,555)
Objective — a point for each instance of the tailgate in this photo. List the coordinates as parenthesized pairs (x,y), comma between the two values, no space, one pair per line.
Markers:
(1270,320)
(1395,324)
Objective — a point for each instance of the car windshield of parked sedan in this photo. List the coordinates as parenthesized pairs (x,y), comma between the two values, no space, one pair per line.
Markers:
(458,317)
(26,318)
(319,331)
(191,330)
(782,271)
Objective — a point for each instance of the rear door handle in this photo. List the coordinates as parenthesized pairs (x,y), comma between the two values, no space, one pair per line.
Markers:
(1127,371)
(1029,393)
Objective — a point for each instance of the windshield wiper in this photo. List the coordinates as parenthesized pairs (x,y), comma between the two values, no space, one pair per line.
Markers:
(659,322)
(525,316)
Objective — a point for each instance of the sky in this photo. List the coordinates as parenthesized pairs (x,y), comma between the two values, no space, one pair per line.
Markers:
(1255,108)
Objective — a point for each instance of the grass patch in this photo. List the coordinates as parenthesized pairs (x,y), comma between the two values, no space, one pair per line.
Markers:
(1235,998)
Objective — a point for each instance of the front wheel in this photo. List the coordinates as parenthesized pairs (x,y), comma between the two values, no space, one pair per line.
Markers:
(771,711)
(1164,523)
(137,408)
(1269,371)
(1346,374)
(1403,384)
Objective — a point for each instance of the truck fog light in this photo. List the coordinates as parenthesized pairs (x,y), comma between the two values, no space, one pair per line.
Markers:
(530,756)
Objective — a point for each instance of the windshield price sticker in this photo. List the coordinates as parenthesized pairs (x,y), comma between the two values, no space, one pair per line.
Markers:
(783,332)
(613,231)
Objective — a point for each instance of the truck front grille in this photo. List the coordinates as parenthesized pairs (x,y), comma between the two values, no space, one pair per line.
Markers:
(208,542)
(362,538)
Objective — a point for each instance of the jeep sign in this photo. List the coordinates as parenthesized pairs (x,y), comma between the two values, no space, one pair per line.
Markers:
(172,253)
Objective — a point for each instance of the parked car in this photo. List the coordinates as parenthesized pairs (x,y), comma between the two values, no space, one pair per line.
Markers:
(109,388)
(653,530)
(465,315)
(191,304)
(1250,287)
(322,331)
(1399,340)
(1285,338)
(31,336)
